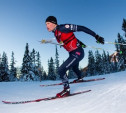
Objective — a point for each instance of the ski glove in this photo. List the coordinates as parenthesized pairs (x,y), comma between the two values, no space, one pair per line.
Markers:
(99,39)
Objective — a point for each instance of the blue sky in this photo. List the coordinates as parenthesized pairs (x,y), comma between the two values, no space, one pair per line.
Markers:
(23,21)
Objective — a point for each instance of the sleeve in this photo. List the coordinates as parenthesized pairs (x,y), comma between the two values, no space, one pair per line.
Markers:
(74,28)
(86,30)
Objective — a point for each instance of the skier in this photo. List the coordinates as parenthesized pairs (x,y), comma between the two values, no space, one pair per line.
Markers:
(64,34)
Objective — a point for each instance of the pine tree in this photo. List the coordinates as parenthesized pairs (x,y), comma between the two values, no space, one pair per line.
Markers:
(57,63)
(124,26)
(13,69)
(98,63)
(117,46)
(44,77)
(0,68)
(27,74)
(122,55)
(48,69)
(91,64)
(32,55)
(39,68)
(38,61)
(34,68)
(51,70)
(4,70)
(0,58)
(106,64)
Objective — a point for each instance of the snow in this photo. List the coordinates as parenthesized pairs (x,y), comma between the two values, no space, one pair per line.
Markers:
(107,96)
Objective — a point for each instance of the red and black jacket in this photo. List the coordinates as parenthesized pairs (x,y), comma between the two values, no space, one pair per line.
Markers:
(64,33)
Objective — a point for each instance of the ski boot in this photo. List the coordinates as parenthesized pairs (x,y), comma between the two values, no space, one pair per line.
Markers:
(64,93)
(78,80)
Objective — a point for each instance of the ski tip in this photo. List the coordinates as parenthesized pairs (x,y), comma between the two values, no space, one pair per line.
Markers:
(99,79)
(5,102)
(85,91)
(103,78)
(89,90)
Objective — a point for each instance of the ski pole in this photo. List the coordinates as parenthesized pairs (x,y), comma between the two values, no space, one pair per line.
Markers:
(61,44)
(115,43)
(102,49)
(120,52)
(50,42)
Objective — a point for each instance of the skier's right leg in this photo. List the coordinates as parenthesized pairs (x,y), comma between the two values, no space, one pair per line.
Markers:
(66,90)
(62,72)
(69,63)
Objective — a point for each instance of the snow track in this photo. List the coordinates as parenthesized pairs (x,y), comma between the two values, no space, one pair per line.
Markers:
(107,96)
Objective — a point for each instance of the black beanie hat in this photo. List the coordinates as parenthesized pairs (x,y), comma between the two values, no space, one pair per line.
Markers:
(51,19)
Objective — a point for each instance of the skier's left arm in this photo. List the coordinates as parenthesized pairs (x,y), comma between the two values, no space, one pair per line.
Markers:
(90,32)
(74,28)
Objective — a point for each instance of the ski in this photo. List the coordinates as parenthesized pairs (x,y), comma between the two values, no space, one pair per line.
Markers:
(44,99)
(89,80)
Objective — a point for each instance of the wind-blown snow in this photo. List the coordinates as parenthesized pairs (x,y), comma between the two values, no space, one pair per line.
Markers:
(107,96)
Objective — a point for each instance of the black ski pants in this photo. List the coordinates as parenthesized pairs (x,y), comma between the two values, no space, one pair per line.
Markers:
(72,62)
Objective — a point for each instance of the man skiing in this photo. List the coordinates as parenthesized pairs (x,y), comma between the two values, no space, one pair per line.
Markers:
(64,34)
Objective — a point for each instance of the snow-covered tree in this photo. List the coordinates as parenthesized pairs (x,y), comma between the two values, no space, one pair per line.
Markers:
(98,63)
(0,68)
(108,69)
(38,67)
(33,56)
(122,50)
(26,70)
(51,70)
(38,61)
(44,77)
(34,67)
(106,65)
(91,64)
(57,63)
(4,70)
(13,70)
(124,26)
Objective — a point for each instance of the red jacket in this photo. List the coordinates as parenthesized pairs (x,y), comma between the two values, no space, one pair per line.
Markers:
(64,33)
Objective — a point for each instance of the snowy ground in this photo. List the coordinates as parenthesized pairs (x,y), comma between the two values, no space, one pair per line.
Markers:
(107,96)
